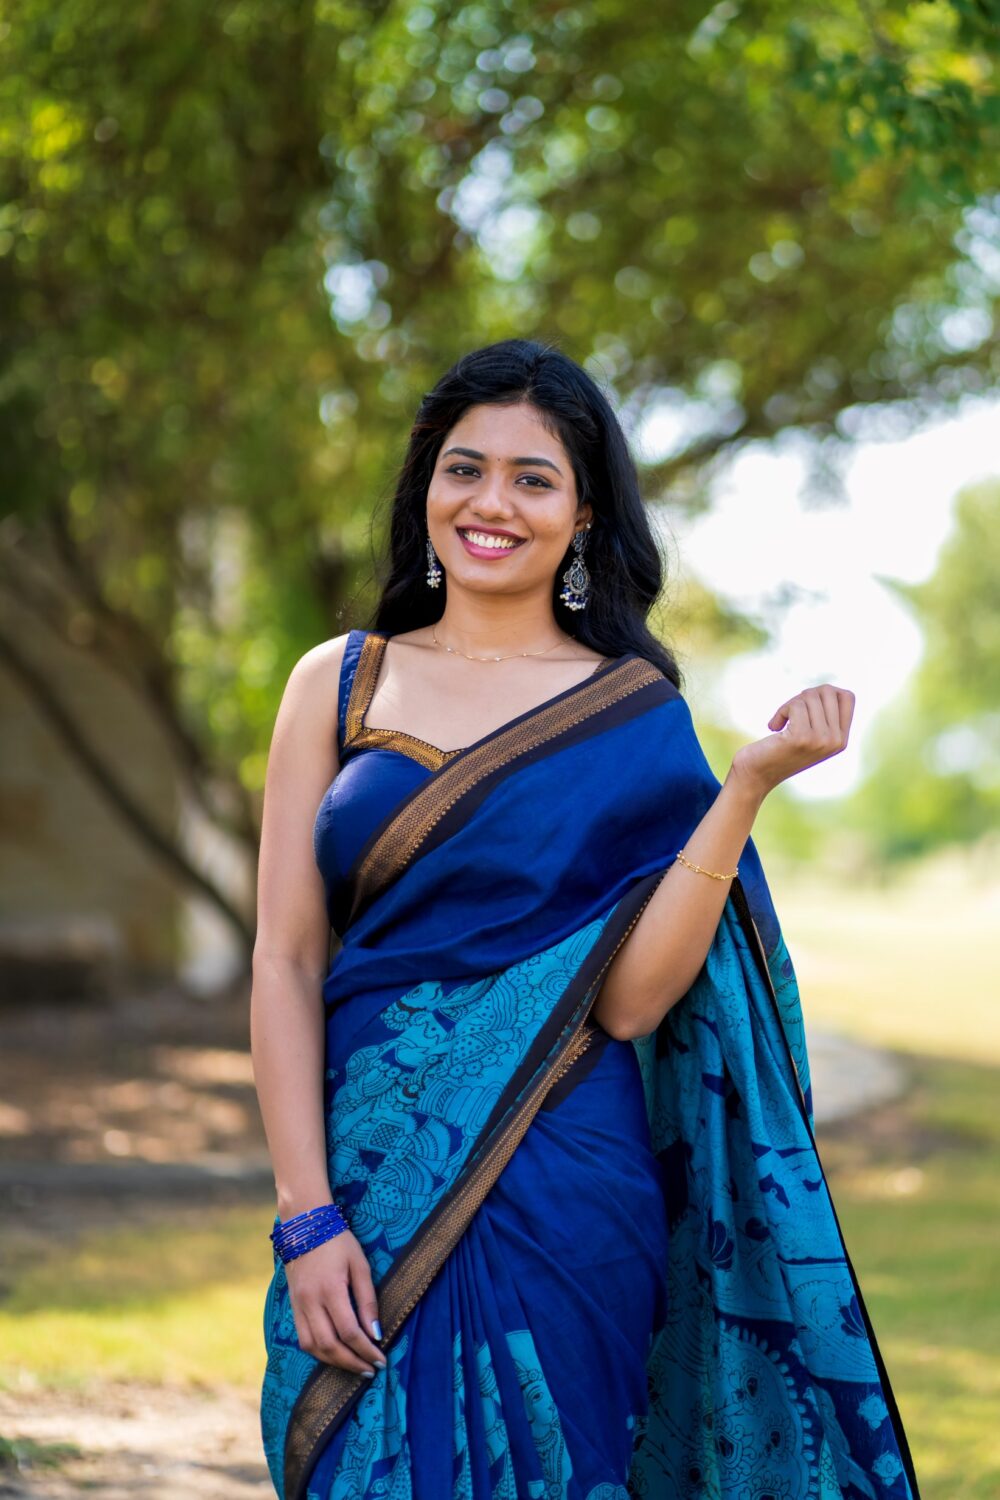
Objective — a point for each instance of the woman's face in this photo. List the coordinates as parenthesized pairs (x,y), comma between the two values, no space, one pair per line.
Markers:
(512,484)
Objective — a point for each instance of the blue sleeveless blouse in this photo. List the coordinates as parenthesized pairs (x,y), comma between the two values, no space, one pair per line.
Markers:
(361,794)
(368,787)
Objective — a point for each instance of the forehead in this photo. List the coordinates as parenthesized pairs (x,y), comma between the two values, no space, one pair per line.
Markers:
(501,431)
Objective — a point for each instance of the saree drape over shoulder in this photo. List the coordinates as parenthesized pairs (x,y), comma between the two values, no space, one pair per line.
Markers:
(604,1268)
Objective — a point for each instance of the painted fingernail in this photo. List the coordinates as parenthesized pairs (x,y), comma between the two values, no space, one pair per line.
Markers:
(368,1374)
(376,1328)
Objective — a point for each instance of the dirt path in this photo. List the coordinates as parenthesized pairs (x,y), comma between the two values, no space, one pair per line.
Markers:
(112,1113)
(135,1440)
(849,1076)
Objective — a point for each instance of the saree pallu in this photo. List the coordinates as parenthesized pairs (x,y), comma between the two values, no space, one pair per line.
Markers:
(604,1269)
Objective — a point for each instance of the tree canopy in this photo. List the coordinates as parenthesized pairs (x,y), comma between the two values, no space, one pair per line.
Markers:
(238,242)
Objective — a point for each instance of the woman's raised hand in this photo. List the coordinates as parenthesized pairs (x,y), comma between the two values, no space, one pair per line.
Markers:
(320,1283)
(809,728)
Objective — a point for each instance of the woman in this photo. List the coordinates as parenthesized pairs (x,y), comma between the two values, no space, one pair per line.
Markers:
(572,1237)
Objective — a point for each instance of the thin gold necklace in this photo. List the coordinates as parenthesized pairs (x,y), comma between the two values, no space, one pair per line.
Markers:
(456,651)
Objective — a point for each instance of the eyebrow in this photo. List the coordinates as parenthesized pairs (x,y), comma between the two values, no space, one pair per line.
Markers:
(471,453)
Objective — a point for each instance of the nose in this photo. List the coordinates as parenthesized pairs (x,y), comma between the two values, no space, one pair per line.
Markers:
(493,496)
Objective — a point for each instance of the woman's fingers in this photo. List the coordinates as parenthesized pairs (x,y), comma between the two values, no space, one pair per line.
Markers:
(325,1321)
(795,714)
(349,1330)
(823,736)
(317,1335)
(819,717)
(813,715)
(845,709)
(835,736)
(365,1299)
(831,717)
(317,1314)
(327,1344)
(807,728)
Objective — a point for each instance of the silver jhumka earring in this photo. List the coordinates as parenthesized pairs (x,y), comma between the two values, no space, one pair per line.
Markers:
(576,578)
(434,570)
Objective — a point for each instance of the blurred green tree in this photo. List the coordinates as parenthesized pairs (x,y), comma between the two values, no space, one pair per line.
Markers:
(237,242)
(935,758)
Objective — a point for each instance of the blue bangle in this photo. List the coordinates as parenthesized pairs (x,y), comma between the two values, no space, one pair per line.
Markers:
(304,1231)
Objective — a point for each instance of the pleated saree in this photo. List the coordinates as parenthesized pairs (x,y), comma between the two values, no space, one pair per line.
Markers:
(604,1268)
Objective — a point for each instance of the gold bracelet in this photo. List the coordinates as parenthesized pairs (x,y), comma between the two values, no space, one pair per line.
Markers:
(713,873)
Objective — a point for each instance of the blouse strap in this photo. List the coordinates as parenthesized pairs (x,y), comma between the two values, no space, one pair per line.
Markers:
(359,671)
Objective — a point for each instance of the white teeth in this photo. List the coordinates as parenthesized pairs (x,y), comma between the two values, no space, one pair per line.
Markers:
(482,539)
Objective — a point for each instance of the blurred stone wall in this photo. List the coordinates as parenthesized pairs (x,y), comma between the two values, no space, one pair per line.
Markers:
(80,895)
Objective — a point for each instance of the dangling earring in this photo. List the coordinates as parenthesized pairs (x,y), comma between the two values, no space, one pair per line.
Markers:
(433,566)
(576,578)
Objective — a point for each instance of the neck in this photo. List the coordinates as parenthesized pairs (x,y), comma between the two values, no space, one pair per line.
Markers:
(498,627)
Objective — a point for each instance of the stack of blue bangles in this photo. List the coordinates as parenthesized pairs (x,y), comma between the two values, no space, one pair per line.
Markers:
(304,1231)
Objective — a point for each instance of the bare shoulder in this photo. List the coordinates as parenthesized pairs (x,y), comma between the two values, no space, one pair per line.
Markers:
(316,665)
(310,698)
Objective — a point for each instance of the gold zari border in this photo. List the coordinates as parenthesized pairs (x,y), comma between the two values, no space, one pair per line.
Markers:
(406,744)
(362,687)
(774,997)
(358,734)
(396,846)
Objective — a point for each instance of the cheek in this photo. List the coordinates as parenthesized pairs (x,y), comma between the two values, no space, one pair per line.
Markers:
(545,524)
(549,528)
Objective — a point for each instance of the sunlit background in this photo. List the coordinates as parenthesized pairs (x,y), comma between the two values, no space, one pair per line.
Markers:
(237,244)
(814,570)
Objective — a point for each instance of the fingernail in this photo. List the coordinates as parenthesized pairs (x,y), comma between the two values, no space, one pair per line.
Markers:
(376,1328)
(368,1374)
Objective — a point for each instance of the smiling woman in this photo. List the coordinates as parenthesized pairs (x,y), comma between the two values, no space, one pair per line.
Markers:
(496,505)
(550,1217)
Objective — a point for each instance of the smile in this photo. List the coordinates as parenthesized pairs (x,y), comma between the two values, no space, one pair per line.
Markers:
(486,543)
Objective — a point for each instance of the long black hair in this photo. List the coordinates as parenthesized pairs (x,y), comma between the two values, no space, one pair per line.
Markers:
(625,565)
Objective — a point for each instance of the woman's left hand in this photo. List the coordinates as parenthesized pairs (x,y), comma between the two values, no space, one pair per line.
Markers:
(810,727)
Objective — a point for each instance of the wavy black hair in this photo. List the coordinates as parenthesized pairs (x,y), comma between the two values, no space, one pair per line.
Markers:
(625,564)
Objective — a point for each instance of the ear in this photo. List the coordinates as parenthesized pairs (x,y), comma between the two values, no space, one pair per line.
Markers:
(584,514)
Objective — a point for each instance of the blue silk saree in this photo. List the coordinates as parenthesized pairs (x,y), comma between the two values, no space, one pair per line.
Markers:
(604,1268)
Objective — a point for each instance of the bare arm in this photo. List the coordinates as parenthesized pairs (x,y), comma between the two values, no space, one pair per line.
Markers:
(290,960)
(662,956)
(665,950)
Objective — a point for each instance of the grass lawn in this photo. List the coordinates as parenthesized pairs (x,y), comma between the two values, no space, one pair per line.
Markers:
(913,966)
(916,1192)
(179,1298)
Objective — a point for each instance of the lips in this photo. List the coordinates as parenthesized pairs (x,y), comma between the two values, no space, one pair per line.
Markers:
(506,541)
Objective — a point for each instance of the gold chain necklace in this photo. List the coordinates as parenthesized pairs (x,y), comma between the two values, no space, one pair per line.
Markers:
(456,651)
